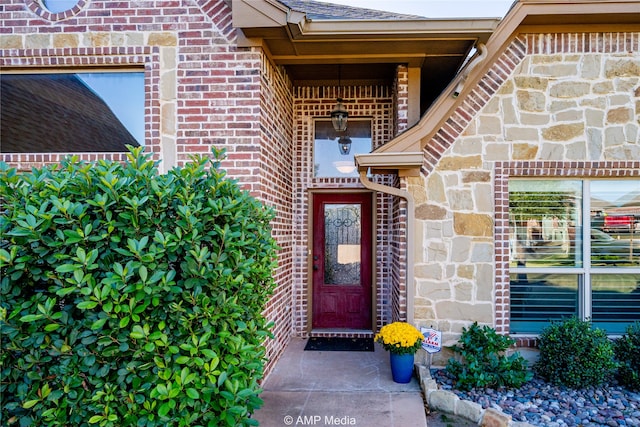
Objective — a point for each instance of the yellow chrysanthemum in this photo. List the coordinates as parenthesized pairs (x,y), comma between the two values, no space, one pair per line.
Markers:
(400,337)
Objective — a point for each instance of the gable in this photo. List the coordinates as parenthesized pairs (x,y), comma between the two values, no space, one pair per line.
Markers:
(474,86)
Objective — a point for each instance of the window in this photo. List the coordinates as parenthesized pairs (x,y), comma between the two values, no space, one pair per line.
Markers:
(574,250)
(71,112)
(57,6)
(329,158)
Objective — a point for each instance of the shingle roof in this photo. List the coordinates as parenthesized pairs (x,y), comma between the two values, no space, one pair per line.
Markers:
(317,10)
(57,113)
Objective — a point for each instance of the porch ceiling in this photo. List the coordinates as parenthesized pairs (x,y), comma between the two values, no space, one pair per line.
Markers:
(366,49)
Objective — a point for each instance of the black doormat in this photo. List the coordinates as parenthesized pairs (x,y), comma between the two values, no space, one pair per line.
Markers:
(339,344)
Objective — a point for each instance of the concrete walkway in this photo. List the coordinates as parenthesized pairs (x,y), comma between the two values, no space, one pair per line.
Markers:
(329,388)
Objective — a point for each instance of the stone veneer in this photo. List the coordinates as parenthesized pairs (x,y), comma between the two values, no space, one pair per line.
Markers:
(552,105)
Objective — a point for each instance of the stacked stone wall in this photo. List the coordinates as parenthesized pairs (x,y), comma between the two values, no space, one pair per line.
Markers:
(553,105)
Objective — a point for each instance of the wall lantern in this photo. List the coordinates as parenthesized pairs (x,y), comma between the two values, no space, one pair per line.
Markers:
(344,143)
(339,116)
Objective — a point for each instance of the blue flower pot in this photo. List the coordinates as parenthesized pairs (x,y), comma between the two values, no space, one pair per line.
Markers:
(401,367)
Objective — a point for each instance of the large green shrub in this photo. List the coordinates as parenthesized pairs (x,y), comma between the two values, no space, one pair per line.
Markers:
(574,354)
(627,352)
(130,298)
(484,362)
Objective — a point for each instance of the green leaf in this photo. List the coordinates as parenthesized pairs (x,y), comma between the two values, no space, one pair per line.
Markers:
(87,305)
(31,318)
(30,403)
(222,378)
(124,321)
(136,335)
(67,268)
(5,257)
(98,324)
(193,393)
(52,327)
(65,291)
(162,390)
(96,419)
(181,360)
(142,271)
(164,410)
(210,354)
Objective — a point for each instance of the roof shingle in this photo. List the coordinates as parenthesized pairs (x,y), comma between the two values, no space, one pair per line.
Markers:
(326,11)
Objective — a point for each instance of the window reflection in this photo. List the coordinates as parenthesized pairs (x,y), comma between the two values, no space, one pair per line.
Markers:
(343,232)
(56,6)
(328,159)
(616,301)
(537,298)
(71,112)
(590,229)
(615,223)
(545,223)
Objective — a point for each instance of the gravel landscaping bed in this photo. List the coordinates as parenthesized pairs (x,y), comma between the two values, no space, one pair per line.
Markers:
(543,404)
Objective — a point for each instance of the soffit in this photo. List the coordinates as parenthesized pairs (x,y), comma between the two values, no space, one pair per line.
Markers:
(303,45)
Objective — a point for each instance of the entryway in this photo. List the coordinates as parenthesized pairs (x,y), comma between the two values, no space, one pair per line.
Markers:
(342,261)
(338,388)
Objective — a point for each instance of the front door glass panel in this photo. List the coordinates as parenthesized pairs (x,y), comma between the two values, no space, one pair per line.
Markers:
(342,228)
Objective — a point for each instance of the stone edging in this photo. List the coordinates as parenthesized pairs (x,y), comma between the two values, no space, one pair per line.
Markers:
(448,402)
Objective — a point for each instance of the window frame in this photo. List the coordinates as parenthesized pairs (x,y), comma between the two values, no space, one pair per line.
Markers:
(99,69)
(585,271)
(348,157)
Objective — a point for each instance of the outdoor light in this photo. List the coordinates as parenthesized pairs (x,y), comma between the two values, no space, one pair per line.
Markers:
(339,114)
(345,167)
(339,117)
(344,143)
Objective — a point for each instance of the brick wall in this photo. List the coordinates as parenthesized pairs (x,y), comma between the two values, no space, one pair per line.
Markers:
(274,172)
(137,57)
(374,102)
(398,300)
(552,105)
(200,91)
(398,230)
(401,99)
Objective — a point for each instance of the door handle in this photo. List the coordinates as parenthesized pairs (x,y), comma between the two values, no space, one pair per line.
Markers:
(315,267)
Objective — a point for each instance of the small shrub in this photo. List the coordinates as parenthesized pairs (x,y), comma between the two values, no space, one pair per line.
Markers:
(130,298)
(574,354)
(627,352)
(484,362)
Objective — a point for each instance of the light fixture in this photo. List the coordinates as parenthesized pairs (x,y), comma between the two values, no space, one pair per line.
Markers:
(344,143)
(345,167)
(339,115)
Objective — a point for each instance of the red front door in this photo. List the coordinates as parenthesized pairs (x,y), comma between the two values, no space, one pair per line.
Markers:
(342,228)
